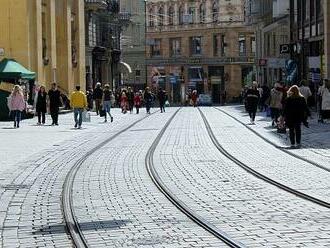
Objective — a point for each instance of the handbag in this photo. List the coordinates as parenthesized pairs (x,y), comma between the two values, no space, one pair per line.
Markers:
(86,116)
(102,112)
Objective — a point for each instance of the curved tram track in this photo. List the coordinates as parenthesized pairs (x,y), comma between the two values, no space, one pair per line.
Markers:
(257,174)
(273,144)
(72,224)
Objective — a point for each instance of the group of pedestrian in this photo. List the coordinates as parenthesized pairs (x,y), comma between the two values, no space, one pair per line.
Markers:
(288,106)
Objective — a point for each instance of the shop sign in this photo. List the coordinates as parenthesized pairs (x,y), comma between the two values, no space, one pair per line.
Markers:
(276,63)
(173,79)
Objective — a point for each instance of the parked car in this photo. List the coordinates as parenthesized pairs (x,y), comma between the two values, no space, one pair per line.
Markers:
(204,100)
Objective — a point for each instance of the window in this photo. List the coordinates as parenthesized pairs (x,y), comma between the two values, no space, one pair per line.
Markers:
(151,18)
(175,46)
(191,13)
(202,13)
(219,45)
(181,14)
(253,45)
(156,47)
(196,45)
(161,16)
(171,16)
(242,45)
(215,10)
(137,73)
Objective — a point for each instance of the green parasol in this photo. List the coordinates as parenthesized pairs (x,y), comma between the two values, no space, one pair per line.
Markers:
(10,69)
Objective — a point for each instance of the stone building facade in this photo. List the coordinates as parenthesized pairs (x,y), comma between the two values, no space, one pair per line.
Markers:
(133,44)
(202,45)
(47,37)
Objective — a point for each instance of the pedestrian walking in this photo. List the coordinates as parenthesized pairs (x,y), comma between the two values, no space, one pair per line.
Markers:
(324,94)
(123,102)
(17,104)
(194,97)
(107,99)
(148,99)
(252,100)
(162,99)
(276,96)
(54,96)
(130,99)
(295,113)
(89,95)
(97,96)
(78,103)
(41,105)
(137,102)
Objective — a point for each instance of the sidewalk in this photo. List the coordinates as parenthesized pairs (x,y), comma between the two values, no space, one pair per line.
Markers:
(19,144)
(315,140)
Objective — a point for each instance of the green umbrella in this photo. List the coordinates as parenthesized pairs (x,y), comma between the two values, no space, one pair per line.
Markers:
(10,69)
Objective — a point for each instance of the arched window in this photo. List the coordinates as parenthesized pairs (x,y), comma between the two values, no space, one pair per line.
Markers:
(181,14)
(171,16)
(202,13)
(161,16)
(151,17)
(215,11)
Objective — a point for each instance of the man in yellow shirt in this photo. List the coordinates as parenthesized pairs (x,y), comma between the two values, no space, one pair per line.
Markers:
(78,102)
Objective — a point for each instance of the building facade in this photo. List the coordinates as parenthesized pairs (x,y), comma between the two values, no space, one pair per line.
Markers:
(47,37)
(202,45)
(133,44)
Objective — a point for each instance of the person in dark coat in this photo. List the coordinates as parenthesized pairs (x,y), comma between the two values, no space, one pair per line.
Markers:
(162,99)
(130,99)
(41,106)
(97,96)
(54,103)
(295,113)
(148,99)
(252,99)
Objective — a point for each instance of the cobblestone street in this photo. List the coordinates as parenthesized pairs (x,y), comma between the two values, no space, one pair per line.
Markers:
(190,177)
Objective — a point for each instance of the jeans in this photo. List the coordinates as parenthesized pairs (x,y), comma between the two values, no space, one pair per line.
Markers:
(148,106)
(295,133)
(78,111)
(17,117)
(107,108)
(97,105)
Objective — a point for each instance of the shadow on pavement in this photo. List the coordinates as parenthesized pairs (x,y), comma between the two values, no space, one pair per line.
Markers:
(85,226)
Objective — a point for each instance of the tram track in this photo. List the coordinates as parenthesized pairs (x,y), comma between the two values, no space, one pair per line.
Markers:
(72,225)
(253,172)
(176,201)
(273,144)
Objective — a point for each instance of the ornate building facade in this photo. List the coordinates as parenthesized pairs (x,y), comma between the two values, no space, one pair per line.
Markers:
(202,45)
(47,37)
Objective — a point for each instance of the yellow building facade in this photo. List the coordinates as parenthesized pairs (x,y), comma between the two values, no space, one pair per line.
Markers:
(47,37)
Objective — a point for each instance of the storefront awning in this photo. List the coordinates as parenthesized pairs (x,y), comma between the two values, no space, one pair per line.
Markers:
(12,70)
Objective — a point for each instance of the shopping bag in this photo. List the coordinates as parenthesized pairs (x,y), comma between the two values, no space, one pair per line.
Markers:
(167,103)
(86,116)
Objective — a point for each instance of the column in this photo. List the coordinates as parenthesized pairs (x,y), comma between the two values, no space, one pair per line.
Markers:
(326,9)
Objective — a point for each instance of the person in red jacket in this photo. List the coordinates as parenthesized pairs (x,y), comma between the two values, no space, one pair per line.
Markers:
(137,102)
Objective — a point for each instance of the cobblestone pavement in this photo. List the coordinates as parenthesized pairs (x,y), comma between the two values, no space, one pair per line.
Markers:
(248,209)
(30,211)
(118,205)
(315,140)
(264,158)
